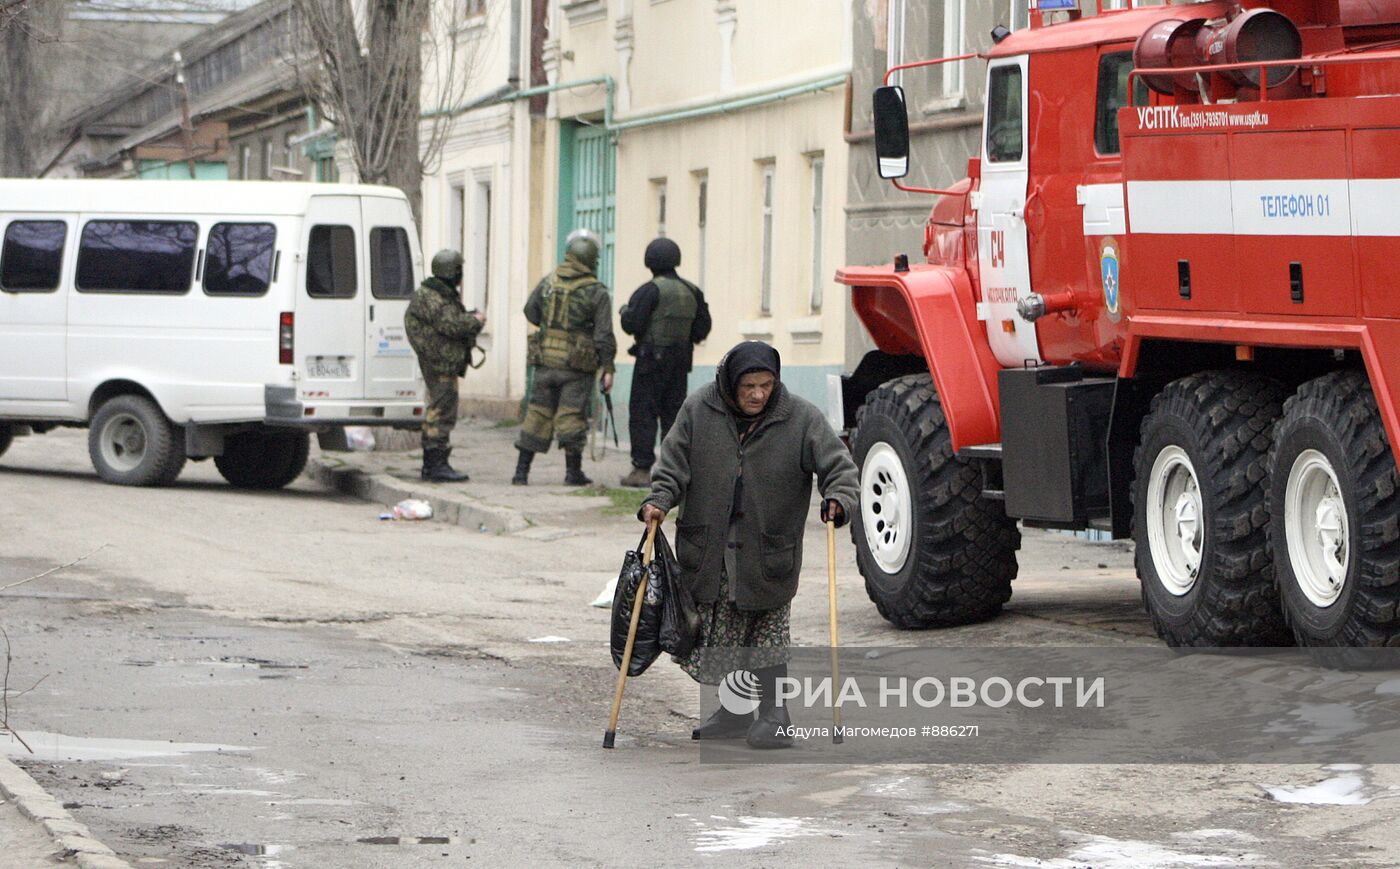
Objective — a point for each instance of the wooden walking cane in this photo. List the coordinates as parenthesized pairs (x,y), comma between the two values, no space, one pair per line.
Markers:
(836,737)
(610,735)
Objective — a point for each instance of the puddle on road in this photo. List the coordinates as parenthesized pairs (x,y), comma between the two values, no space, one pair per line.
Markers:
(753,833)
(58,747)
(1347,789)
(253,850)
(409,840)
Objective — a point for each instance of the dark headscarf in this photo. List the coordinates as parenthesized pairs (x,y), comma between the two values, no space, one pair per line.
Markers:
(742,358)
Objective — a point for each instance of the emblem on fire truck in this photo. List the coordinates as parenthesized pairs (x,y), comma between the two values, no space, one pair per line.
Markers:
(1108,272)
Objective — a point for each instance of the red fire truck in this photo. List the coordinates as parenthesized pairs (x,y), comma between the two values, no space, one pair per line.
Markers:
(1165,302)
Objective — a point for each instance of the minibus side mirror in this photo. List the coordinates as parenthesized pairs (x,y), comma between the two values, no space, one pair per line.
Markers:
(891,132)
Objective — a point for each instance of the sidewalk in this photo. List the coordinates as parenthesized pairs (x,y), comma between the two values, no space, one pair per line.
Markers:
(544,510)
(36,831)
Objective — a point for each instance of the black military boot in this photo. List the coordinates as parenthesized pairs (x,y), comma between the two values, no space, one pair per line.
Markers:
(768,731)
(573,465)
(522,469)
(437,470)
(723,724)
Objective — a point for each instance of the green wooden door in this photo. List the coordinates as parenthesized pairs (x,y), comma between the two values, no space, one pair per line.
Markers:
(586,195)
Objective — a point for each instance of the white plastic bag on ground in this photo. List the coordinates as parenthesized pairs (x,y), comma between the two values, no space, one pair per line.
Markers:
(359,437)
(409,508)
(605,597)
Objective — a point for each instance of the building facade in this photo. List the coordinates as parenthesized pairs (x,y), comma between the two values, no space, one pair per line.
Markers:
(477,186)
(717,123)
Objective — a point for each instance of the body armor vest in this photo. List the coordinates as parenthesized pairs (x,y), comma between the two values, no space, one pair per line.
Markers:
(675,312)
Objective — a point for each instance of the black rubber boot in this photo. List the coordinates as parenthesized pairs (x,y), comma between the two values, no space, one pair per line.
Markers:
(522,469)
(723,724)
(573,473)
(768,730)
(437,470)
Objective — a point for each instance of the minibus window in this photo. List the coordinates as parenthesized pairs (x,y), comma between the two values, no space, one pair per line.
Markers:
(330,263)
(390,263)
(136,256)
(238,259)
(32,256)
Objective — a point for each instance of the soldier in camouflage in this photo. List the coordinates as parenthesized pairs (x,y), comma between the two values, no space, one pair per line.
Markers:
(442,332)
(573,311)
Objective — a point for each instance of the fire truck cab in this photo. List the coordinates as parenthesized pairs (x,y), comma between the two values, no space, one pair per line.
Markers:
(1163,303)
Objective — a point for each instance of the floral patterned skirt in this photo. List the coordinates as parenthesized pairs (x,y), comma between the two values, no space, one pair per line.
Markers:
(734,639)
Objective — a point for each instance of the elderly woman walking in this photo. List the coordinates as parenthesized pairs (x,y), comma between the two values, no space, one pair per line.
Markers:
(739,463)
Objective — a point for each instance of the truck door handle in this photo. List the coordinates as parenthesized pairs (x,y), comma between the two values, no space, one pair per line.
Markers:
(371,313)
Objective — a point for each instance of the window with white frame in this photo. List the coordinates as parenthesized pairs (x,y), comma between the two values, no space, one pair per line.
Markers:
(944,22)
(816,166)
(702,202)
(658,208)
(481,243)
(954,44)
(456,216)
(765,282)
(290,158)
(1020,14)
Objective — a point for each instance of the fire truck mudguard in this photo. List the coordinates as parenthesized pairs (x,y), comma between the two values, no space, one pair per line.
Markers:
(933,307)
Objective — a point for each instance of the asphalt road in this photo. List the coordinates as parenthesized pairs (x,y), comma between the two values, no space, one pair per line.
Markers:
(280,680)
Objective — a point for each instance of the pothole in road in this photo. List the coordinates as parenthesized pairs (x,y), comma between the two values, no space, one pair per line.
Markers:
(237,662)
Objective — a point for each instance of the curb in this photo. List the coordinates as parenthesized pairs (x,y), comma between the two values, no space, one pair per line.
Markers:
(35,803)
(386,489)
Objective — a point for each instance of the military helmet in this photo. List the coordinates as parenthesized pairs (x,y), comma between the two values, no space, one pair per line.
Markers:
(583,246)
(663,255)
(447,265)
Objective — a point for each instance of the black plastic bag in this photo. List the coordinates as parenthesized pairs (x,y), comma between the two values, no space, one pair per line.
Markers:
(669,621)
(680,620)
(646,648)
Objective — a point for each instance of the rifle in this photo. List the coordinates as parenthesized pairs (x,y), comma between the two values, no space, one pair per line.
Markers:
(607,402)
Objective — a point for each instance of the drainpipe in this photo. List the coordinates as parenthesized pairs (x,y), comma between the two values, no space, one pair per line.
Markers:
(508,93)
(734,105)
(513,79)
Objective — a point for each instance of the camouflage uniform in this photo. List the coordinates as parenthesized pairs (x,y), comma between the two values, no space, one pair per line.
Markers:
(574,312)
(442,333)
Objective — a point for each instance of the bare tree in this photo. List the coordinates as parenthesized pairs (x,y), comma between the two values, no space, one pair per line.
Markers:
(370,59)
(24,74)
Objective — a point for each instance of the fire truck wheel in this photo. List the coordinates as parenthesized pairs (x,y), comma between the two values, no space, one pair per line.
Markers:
(1333,498)
(1198,511)
(263,459)
(131,443)
(934,552)
(7,437)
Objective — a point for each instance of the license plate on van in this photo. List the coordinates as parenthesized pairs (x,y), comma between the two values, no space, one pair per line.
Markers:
(328,367)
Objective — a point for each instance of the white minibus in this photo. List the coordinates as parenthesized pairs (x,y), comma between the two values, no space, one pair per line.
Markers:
(204,319)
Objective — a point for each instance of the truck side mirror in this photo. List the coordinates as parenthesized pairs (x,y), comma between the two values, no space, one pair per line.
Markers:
(891,132)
